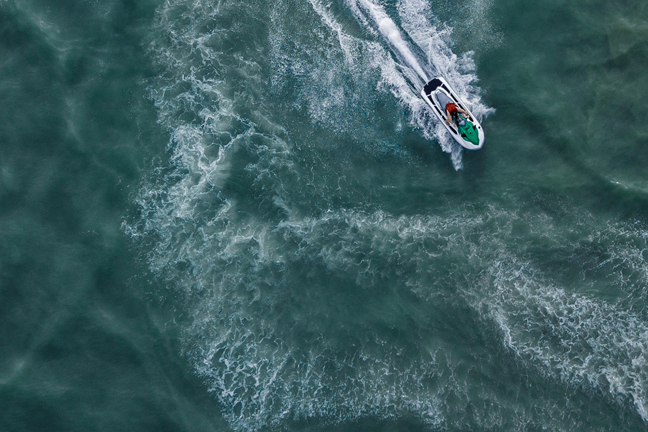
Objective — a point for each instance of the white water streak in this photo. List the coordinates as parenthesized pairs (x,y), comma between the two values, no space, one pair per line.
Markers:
(390,31)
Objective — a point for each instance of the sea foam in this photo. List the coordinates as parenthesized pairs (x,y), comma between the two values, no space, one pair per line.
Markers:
(293,306)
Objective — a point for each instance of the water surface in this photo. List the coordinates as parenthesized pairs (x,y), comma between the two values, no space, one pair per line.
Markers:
(235,215)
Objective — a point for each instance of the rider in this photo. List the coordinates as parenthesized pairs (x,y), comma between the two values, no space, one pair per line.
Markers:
(451,113)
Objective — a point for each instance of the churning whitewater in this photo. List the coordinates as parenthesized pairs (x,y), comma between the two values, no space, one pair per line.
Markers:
(303,296)
(243,216)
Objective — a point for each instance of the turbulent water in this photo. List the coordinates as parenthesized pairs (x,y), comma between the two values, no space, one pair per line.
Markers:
(235,215)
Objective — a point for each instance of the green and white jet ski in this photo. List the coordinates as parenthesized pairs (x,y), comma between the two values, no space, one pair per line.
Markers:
(466,130)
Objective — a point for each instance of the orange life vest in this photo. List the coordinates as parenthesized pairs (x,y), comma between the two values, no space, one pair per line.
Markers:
(451,108)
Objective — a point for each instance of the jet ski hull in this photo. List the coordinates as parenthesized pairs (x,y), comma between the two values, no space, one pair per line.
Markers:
(437,93)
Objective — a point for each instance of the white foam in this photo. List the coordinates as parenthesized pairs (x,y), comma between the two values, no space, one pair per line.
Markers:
(401,71)
(434,39)
(269,356)
(581,340)
(347,43)
(419,24)
(267,364)
(262,371)
(391,32)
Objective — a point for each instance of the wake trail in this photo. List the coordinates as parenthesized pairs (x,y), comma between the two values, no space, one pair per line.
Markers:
(407,51)
(417,48)
(400,48)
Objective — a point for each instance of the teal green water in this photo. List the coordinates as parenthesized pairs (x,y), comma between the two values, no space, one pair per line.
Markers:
(227,215)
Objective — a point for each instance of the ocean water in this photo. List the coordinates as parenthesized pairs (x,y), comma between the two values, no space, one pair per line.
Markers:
(239,215)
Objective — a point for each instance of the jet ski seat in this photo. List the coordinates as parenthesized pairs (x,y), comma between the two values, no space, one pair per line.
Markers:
(443,99)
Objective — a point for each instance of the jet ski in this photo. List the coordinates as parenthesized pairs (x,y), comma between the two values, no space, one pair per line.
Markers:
(465,129)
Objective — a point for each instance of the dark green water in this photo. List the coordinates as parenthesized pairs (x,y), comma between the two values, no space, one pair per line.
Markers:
(240,215)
